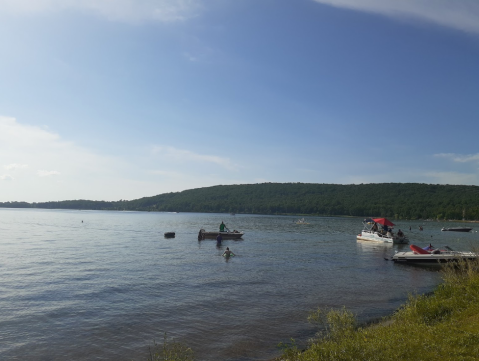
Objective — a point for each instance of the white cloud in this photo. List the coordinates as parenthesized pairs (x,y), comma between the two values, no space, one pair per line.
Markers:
(181,155)
(47,173)
(459,14)
(15,166)
(460,158)
(12,133)
(118,10)
(47,154)
(80,173)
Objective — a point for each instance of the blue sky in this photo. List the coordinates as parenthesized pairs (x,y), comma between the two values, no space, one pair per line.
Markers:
(118,100)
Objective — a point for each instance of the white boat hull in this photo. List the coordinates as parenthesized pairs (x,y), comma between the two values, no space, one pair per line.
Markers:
(411,257)
(377,237)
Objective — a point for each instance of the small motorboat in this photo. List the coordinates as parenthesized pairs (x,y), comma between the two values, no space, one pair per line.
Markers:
(457,229)
(224,235)
(169,234)
(431,254)
(372,233)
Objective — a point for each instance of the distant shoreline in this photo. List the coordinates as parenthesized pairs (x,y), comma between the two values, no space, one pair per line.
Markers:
(256,214)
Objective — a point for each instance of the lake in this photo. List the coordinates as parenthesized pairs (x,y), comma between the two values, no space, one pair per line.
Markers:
(107,287)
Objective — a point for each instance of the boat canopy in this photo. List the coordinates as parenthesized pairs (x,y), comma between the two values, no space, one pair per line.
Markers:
(384,221)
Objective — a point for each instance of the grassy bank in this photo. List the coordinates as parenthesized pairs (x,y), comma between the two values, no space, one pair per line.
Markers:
(444,325)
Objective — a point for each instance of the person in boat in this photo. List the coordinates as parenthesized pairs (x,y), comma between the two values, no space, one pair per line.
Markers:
(429,248)
(400,233)
(375,227)
(218,240)
(222,227)
(385,230)
(228,253)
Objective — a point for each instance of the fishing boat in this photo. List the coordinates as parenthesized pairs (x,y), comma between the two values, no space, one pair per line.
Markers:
(431,254)
(224,235)
(371,232)
(457,229)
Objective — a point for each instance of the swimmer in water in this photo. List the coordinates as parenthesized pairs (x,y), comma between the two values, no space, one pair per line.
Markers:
(228,253)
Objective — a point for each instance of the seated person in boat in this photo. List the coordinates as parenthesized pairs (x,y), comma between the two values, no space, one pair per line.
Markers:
(375,227)
(400,233)
(431,249)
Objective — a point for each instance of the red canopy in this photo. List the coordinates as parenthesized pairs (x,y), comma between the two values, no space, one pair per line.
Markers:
(383,221)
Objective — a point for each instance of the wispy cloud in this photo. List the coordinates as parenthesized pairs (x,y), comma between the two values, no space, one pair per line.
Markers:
(118,10)
(15,166)
(59,169)
(14,134)
(47,155)
(460,158)
(459,14)
(182,155)
(47,173)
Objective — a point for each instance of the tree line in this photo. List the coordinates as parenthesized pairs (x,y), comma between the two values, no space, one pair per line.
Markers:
(392,200)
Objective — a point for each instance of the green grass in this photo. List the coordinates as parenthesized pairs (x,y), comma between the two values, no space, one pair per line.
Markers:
(444,325)
(441,326)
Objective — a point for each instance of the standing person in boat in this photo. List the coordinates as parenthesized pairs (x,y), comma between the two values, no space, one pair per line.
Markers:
(385,229)
(222,227)
(228,253)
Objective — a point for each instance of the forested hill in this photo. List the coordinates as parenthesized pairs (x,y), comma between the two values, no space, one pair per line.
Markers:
(394,200)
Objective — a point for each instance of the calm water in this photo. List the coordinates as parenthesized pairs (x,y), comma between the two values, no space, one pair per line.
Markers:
(106,288)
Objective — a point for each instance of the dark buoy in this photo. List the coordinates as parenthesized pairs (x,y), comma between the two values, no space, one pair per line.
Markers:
(169,234)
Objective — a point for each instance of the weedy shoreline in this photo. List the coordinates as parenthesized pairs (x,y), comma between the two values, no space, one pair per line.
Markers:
(443,325)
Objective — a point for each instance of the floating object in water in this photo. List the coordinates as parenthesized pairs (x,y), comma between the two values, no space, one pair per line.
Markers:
(431,254)
(457,229)
(169,234)
(301,221)
(372,233)
(202,234)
